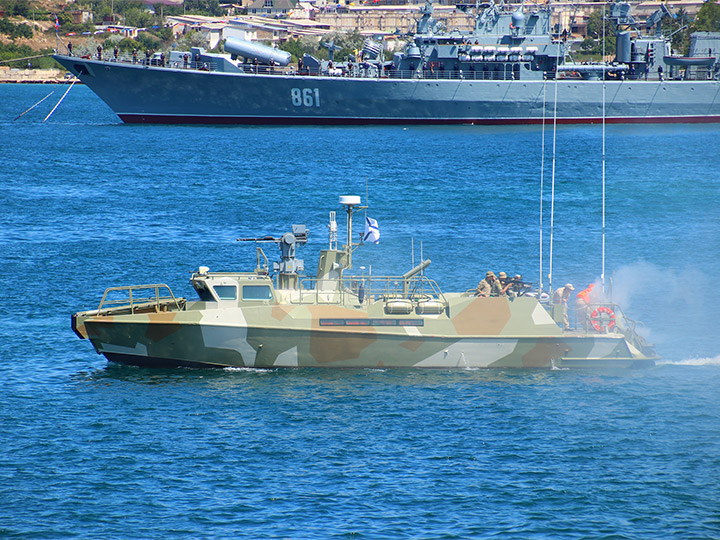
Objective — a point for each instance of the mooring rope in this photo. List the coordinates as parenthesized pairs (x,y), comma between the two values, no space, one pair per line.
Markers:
(58,103)
(31,108)
(26,58)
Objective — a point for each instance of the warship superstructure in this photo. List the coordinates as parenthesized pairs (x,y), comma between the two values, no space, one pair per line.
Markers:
(507,70)
(275,316)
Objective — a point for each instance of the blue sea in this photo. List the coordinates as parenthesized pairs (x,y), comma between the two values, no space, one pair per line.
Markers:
(91,450)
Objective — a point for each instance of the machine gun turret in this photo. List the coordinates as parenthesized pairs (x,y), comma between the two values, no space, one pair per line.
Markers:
(289,267)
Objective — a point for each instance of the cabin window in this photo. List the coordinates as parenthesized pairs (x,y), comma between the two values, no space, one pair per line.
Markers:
(226,292)
(257,292)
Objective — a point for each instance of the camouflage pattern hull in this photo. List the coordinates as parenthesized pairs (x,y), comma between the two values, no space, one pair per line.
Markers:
(149,94)
(471,333)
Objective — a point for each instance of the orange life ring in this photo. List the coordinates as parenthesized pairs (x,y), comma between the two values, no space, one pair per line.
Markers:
(602,319)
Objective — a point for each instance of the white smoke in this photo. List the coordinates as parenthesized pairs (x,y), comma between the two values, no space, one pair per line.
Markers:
(681,316)
(715,361)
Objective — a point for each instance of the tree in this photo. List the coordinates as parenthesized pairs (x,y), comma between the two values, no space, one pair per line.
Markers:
(595,25)
(677,27)
(708,18)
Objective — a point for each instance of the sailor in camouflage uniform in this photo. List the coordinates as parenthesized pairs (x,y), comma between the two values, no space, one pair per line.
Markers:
(490,286)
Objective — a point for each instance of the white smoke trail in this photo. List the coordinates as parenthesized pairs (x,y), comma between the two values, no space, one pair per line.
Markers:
(678,306)
(715,361)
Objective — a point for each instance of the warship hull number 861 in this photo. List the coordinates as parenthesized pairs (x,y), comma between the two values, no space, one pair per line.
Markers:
(507,70)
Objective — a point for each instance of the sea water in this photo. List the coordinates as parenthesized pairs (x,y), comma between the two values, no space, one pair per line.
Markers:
(91,450)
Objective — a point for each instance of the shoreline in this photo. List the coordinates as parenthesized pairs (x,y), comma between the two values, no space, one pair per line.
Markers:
(36,76)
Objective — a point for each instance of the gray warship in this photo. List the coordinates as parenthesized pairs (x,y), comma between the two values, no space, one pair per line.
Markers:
(509,70)
(276,317)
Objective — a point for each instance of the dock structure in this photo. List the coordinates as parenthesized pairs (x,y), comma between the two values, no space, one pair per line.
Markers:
(36,76)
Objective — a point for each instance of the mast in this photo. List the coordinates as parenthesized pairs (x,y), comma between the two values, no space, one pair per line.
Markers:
(602,270)
(351,203)
(542,186)
(552,191)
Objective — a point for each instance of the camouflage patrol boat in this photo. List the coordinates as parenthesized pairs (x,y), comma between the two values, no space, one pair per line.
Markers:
(277,317)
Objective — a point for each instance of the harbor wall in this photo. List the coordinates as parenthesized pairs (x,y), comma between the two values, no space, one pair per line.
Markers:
(33,76)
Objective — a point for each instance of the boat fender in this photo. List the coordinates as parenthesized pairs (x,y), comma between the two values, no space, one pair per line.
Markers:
(605,323)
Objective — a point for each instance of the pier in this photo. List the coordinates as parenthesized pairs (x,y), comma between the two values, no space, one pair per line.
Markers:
(36,76)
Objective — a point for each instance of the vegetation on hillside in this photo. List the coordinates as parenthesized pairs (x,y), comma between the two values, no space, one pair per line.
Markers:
(346,43)
(14,31)
(8,51)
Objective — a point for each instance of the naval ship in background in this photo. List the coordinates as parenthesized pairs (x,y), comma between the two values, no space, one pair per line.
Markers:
(512,68)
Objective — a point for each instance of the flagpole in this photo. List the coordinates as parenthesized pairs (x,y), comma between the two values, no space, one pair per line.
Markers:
(57,37)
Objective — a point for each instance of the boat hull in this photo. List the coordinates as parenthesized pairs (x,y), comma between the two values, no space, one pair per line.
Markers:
(149,94)
(226,346)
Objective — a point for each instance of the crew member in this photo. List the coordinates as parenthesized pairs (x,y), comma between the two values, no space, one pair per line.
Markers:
(490,286)
(582,304)
(516,287)
(561,298)
(505,283)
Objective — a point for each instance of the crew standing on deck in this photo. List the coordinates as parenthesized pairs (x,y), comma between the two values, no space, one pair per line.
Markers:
(582,304)
(490,286)
(561,298)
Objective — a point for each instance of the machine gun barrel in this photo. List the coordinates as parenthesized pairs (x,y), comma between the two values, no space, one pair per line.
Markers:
(263,239)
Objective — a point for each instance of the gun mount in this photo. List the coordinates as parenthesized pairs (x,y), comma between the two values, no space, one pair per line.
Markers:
(289,267)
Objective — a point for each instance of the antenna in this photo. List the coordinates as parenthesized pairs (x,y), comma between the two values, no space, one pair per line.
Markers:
(602,271)
(332,232)
(552,196)
(542,186)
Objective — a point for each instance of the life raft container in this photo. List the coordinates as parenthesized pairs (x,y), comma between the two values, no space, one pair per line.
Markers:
(602,319)
(398,307)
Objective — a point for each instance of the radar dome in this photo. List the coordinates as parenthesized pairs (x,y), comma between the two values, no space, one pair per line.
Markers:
(518,19)
(349,200)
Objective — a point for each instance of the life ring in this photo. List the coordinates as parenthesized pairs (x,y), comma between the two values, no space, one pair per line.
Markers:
(603,319)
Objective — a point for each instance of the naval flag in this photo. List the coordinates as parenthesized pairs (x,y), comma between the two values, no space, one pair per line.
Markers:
(372,230)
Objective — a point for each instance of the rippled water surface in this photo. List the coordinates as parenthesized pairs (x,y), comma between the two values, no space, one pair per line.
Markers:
(92,450)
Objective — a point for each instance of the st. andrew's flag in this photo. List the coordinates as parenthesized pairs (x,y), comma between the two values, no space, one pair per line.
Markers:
(372,231)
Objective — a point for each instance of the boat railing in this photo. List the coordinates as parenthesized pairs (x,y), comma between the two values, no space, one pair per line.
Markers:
(599,317)
(367,289)
(135,298)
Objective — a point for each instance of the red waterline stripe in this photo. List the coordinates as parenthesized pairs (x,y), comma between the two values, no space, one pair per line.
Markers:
(273,120)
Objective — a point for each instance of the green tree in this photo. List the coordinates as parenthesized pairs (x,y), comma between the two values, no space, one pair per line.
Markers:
(16,8)
(14,31)
(204,7)
(595,25)
(708,18)
(677,29)
(139,17)
(192,39)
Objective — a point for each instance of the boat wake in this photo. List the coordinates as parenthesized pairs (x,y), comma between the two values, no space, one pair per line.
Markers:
(711,361)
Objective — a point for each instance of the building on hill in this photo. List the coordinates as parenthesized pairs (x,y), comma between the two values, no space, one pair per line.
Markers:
(273,8)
